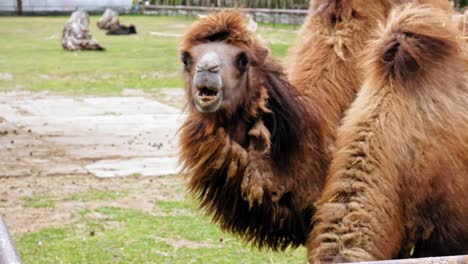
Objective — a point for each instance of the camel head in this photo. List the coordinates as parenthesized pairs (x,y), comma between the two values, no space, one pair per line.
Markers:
(220,55)
(217,72)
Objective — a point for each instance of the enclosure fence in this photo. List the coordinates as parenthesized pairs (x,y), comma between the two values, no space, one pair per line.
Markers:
(277,4)
(262,15)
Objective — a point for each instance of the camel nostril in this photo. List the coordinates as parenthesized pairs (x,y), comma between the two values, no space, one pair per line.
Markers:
(208,68)
(214,69)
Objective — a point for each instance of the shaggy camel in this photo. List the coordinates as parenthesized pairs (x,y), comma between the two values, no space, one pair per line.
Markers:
(399,177)
(325,57)
(118,29)
(109,17)
(241,111)
(324,67)
(323,64)
(76,35)
(240,184)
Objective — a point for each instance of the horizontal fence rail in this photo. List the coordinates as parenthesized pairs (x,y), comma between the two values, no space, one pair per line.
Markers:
(209,9)
(49,9)
(264,15)
(435,260)
(283,4)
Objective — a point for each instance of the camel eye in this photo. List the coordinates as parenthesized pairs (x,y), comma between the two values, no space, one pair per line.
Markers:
(242,62)
(186,59)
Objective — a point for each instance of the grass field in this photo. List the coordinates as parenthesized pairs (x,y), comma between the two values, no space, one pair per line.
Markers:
(32,57)
(83,219)
(124,220)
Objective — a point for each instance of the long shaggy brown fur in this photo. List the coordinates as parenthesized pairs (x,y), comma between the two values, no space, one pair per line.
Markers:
(325,58)
(323,64)
(215,147)
(399,178)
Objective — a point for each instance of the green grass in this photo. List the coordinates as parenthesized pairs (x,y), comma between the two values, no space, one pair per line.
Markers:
(131,236)
(47,201)
(174,206)
(37,201)
(93,195)
(33,56)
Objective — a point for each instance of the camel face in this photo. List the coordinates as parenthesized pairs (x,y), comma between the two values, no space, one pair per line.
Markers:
(217,75)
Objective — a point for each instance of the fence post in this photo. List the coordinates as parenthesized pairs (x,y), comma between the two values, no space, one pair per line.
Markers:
(8,252)
(19,7)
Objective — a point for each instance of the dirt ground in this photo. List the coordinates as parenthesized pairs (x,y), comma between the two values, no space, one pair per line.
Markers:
(140,193)
(54,146)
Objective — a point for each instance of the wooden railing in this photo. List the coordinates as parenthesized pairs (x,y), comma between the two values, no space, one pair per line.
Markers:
(435,260)
(275,16)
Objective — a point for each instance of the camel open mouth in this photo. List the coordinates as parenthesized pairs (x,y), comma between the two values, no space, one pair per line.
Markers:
(207,99)
(207,95)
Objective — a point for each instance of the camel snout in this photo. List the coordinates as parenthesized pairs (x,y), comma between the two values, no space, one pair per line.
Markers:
(210,62)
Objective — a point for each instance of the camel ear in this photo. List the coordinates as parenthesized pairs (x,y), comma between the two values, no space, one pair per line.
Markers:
(330,11)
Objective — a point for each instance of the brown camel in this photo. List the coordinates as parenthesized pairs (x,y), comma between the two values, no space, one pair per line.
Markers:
(118,29)
(260,190)
(324,68)
(242,111)
(324,62)
(109,17)
(399,177)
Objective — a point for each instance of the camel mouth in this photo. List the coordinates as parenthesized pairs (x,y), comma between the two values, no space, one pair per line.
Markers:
(207,95)
(208,99)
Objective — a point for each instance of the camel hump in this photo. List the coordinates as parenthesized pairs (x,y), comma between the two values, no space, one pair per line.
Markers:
(415,40)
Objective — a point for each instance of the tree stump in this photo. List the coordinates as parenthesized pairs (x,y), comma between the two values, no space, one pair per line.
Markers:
(109,18)
(76,35)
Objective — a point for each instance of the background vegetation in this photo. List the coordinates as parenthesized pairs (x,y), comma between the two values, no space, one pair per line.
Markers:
(32,57)
(285,4)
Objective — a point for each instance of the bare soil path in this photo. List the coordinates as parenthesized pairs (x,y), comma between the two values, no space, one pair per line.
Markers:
(43,134)
(55,148)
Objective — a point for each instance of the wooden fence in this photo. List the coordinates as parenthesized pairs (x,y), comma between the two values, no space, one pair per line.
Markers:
(435,260)
(280,4)
(263,15)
